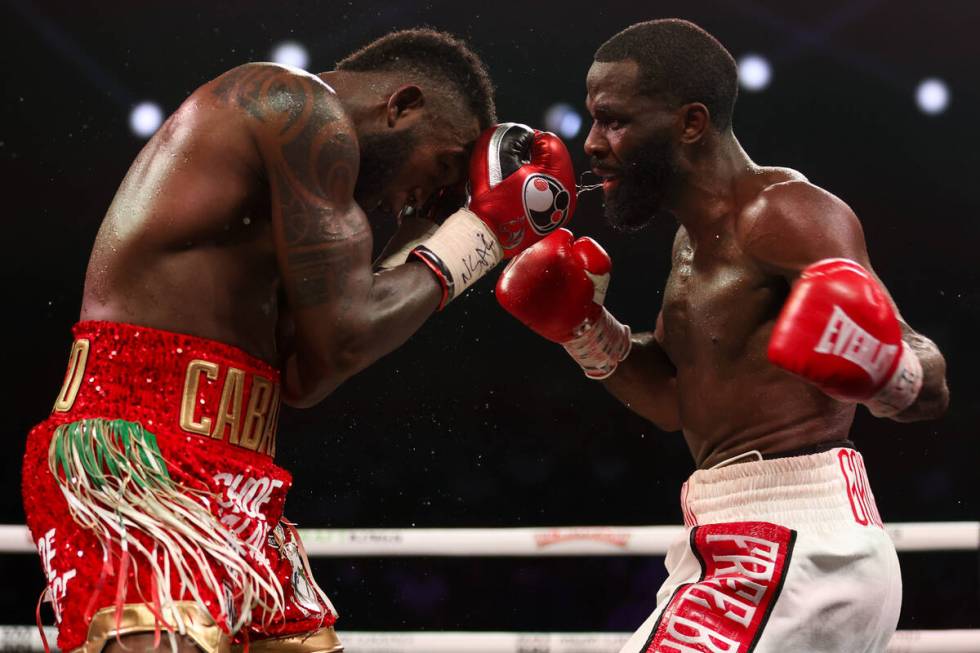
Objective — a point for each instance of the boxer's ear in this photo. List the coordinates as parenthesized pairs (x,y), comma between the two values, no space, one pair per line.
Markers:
(694,120)
(405,103)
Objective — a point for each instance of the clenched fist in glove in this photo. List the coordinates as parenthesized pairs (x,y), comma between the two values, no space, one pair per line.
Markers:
(839,331)
(557,288)
(522,188)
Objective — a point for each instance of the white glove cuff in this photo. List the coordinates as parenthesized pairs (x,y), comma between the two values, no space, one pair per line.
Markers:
(902,388)
(421,230)
(460,251)
(600,346)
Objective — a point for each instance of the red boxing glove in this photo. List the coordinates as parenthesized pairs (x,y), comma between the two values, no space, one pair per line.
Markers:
(557,288)
(522,184)
(839,331)
(522,188)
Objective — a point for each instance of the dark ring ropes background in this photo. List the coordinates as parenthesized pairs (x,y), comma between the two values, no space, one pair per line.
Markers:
(477,421)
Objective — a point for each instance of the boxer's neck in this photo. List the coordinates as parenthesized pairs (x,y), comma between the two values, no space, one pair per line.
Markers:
(708,193)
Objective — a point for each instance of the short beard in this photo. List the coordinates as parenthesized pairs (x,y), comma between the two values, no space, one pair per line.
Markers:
(383,155)
(642,188)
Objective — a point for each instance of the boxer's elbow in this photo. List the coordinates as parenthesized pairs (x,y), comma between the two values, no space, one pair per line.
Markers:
(354,346)
(305,383)
(925,409)
(934,396)
(931,404)
(297,398)
(311,375)
(941,403)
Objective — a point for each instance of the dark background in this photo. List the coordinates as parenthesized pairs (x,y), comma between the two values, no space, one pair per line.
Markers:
(476,421)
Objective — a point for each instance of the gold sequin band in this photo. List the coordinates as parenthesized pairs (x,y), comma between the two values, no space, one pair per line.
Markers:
(171,383)
(187,619)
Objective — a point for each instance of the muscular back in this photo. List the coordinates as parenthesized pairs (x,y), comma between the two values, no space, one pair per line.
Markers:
(187,244)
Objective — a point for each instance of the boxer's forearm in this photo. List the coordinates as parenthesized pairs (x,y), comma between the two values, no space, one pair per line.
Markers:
(646,383)
(933,398)
(398,303)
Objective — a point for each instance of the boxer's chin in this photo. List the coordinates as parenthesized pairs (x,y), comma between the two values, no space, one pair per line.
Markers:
(642,187)
(629,208)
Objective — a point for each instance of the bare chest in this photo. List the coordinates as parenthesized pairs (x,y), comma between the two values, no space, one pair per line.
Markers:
(716,305)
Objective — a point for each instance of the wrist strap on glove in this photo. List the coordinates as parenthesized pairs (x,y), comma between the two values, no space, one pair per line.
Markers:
(902,388)
(599,346)
(461,251)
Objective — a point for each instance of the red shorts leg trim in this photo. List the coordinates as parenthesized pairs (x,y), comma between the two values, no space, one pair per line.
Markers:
(743,568)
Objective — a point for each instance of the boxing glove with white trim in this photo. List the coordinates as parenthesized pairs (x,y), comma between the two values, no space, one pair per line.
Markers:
(557,288)
(839,331)
(522,188)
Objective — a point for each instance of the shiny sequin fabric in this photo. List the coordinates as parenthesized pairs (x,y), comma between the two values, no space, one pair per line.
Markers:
(212,411)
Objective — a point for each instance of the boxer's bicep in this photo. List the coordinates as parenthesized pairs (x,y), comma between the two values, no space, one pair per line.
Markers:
(323,249)
(309,157)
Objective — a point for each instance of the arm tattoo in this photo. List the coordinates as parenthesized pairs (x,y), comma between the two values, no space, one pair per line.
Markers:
(261,90)
(312,162)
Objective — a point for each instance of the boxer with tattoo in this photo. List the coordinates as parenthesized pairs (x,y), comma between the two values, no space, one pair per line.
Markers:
(237,247)
(772,329)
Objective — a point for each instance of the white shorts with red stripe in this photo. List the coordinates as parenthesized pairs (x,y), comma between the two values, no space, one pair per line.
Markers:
(786,555)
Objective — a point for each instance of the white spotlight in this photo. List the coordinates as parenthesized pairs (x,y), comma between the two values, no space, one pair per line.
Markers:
(145,118)
(562,119)
(754,72)
(291,53)
(932,96)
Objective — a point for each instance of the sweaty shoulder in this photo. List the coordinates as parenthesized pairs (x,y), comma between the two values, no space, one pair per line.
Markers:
(790,224)
(268,92)
(298,123)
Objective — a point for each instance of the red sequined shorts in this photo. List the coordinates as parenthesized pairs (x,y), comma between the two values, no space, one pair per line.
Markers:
(154,502)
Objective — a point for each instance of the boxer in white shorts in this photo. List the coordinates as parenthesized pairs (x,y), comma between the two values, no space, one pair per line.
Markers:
(787,554)
(772,328)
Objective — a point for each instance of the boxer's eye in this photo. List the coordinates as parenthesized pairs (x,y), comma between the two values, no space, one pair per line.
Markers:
(608,122)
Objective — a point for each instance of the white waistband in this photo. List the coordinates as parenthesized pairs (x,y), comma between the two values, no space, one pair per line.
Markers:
(824,489)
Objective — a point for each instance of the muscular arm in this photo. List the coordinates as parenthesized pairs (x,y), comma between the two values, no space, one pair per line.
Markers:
(795,224)
(646,382)
(345,316)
